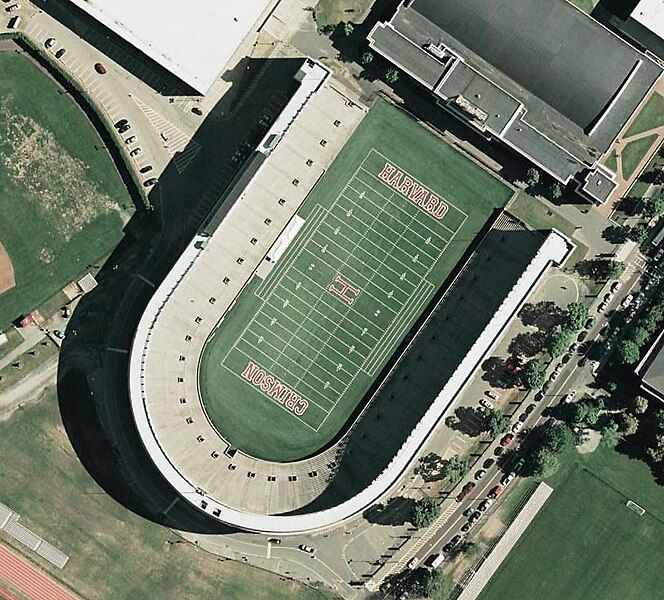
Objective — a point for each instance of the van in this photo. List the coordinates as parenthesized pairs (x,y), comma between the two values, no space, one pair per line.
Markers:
(437,560)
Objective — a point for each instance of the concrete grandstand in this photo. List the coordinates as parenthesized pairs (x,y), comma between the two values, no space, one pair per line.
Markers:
(333,485)
(542,77)
(158,28)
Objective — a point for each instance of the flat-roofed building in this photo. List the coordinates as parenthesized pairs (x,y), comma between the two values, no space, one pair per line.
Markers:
(645,26)
(542,77)
(194,41)
(651,369)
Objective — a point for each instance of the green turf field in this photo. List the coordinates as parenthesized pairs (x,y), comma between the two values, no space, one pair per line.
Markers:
(63,203)
(585,543)
(299,350)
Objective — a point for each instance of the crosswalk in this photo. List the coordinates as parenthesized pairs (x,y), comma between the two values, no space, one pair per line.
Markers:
(181,148)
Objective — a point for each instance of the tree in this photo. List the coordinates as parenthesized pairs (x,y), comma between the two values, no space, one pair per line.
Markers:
(455,469)
(611,386)
(559,342)
(640,405)
(628,424)
(534,374)
(576,315)
(610,436)
(628,352)
(439,585)
(426,511)
(558,438)
(367,57)
(532,176)
(656,452)
(348,28)
(496,423)
(556,191)
(638,233)
(659,419)
(545,463)
(391,75)
(654,207)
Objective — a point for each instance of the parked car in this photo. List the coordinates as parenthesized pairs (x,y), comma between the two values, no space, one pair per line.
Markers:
(488,463)
(60,53)
(496,491)
(136,151)
(507,440)
(493,395)
(539,396)
(567,398)
(124,128)
(413,562)
(50,42)
(197,111)
(307,549)
(615,286)
(486,403)
(519,464)
(13,8)
(150,182)
(589,323)
(465,490)
(130,140)
(480,474)
(274,541)
(466,527)
(121,123)
(627,300)
(602,306)
(146,169)
(518,426)
(469,511)
(505,481)
(14,22)
(485,504)
(582,335)
(530,408)
(101,69)
(475,517)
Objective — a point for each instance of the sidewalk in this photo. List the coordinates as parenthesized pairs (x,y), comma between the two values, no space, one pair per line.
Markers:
(31,335)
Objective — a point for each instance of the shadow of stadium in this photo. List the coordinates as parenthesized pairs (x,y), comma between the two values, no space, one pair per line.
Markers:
(93,368)
(442,337)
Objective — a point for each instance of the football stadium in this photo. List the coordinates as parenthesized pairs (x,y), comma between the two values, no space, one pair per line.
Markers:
(303,349)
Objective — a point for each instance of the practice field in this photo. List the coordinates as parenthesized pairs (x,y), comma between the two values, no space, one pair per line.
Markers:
(381,232)
(63,203)
(585,543)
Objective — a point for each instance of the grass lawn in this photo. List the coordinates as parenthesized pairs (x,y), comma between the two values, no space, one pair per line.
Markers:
(633,153)
(113,553)
(333,12)
(585,543)
(63,204)
(29,362)
(650,117)
(612,162)
(536,214)
(351,284)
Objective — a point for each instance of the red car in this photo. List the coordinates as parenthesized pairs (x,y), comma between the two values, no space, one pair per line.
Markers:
(496,491)
(465,490)
(101,69)
(507,440)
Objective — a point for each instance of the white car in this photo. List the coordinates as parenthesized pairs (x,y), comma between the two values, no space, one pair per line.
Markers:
(307,549)
(508,479)
(413,562)
(567,398)
(130,140)
(13,8)
(136,151)
(615,286)
(627,300)
(493,395)
(602,307)
(486,403)
(518,426)
(49,43)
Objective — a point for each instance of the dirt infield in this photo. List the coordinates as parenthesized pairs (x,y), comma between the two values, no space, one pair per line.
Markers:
(7,280)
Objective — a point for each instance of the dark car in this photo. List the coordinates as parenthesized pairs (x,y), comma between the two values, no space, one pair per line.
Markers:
(150,182)
(582,335)
(583,361)
(60,53)
(469,511)
(121,123)
(530,408)
(474,517)
(589,323)
(124,128)
(146,169)
(101,69)
(488,463)
(197,111)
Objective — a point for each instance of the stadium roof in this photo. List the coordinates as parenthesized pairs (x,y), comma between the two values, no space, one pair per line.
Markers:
(543,77)
(192,41)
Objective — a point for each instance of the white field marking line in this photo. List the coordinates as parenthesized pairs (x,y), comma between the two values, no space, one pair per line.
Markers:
(306,370)
(331,240)
(275,276)
(399,328)
(415,307)
(413,217)
(278,324)
(454,206)
(341,315)
(415,233)
(347,268)
(301,342)
(271,399)
(327,317)
(337,232)
(283,368)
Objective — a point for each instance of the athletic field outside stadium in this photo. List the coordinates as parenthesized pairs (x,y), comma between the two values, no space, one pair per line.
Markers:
(382,231)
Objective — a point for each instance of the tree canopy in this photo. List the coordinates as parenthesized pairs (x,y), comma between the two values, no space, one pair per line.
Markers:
(496,423)
(439,586)
(425,512)
(576,314)
(628,351)
(534,374)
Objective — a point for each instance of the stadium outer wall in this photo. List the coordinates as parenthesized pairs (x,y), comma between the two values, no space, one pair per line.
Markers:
(555,249)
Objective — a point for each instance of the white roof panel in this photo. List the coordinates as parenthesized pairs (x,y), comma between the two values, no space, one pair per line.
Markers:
(194,41)
(650,13)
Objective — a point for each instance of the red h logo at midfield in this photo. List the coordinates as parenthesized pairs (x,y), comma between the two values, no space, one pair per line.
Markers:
(344,289)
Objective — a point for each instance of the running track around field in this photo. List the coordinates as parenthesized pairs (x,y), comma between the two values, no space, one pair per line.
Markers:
(27,579)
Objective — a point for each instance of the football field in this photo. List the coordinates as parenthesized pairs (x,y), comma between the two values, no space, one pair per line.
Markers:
(299,350)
